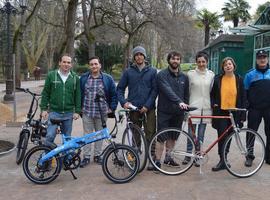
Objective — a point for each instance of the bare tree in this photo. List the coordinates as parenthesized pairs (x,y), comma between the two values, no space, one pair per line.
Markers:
(36,41)
(18,37)
(127,16)
(93,18)
(175,24)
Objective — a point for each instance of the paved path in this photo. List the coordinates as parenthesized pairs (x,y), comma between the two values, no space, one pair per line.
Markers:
(92,184)
(23,101)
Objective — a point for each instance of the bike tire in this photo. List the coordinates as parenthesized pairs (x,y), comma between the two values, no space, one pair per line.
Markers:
(54,163)
(239,147)
(124,158)
(22,146)
(178,153)
(136,139)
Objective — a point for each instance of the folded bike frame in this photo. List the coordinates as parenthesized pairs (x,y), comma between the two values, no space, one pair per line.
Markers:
(76,143)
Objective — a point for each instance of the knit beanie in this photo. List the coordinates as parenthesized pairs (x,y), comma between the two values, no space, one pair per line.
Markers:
(139,49)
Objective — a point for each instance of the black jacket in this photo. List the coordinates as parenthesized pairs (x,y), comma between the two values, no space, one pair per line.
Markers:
(172,90)
(241,99)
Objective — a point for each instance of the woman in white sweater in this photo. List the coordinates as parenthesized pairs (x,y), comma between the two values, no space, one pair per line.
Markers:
(200,84)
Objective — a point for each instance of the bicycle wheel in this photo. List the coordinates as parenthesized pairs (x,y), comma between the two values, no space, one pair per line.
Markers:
(41,174)
(168,150)
(241,145)
(134,137)
(120,164)
(22,146)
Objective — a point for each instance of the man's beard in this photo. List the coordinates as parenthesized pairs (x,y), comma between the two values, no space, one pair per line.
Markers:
(174,65)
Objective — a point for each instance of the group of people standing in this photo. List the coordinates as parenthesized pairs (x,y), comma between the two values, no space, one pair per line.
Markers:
(67,96)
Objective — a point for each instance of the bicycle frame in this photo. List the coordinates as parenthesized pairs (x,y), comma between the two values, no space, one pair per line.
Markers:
(233,126)
(128,120)
(76,143)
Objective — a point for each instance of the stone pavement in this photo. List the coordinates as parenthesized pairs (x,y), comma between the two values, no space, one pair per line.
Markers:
(92,184)
(23,101)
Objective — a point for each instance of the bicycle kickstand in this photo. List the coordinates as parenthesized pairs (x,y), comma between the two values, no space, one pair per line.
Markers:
(73,175)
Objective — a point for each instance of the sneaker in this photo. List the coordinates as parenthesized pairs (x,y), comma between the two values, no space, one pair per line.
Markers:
(98,160)
(248,162)
(84,162)
(170,162)
(186,160)
(158,164)
(196,164)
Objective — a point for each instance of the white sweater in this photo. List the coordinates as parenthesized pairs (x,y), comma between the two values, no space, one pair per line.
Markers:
(200,84)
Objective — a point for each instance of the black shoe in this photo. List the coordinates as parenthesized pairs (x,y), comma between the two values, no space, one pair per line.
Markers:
(170,162)
(196,164)
(84,162)
(219,166)
(98,160)
(186,160)
(158,164)
(267,162)
(248,162)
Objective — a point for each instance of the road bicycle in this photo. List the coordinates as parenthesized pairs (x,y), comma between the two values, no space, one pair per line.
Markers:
(43,164)
(133,135)
(241,143)
(32,128)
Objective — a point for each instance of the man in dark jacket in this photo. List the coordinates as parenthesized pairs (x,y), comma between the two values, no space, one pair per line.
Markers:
(95,83)
(257,84)
(173,97)
(140,79)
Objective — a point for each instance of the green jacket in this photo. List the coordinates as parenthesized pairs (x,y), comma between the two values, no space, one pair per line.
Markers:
(61,97)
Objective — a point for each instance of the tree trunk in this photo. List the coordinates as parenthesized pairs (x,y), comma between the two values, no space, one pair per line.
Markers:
(91,50)
(235,22)
(70,28)
(206,35)
(18,63)
(127,51)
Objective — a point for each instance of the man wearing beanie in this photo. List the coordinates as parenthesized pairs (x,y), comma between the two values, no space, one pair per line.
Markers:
(140,79)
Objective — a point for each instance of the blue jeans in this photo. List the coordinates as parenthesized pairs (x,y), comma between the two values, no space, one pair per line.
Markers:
(200,134)
(66,127)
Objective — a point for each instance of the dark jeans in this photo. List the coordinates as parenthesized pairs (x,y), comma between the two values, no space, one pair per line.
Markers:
(200,135)
(222,125)
(254,119)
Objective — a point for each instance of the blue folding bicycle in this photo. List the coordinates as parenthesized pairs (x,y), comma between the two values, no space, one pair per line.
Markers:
(42,164)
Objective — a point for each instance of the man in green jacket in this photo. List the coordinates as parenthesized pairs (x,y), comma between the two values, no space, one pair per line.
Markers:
(61,98)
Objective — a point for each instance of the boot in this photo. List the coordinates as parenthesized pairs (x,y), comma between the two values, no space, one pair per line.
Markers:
(219,166)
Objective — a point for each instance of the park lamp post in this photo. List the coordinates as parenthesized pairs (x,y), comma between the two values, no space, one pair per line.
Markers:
(9,10)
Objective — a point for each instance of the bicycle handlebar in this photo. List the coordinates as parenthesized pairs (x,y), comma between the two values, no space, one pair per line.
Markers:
(26,90)
(190,108)
(237,109)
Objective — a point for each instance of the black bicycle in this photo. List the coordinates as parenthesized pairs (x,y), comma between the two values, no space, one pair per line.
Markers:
(33,129)
(133,135)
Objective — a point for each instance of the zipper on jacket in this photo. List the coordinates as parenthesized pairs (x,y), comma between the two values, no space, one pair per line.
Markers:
(64,90)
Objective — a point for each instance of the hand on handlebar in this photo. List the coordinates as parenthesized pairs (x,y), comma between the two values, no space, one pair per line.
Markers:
(129,105)
(126,105)
(183,106)
(76,116)
(44,115)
